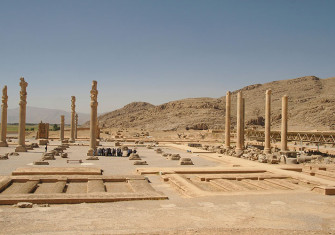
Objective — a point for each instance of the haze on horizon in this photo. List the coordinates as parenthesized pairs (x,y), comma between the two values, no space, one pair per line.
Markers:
(158,51)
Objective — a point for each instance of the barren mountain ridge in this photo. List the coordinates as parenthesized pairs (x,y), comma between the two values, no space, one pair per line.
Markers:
(311,107)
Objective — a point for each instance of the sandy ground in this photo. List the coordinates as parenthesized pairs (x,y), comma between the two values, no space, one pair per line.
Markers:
(280,213)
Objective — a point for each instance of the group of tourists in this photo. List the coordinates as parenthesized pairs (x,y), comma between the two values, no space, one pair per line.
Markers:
(114,152)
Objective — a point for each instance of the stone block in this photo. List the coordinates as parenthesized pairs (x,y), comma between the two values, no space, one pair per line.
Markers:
(291,161)
(134,156)
(48,156)
(159,150)
(4,157)
(41,163)
(185,161)
(262,158)
(238,154)
(272,158)
(63,155)
(35,145)
(92,158)
(24,205)
(29,147)
(174,157)
(140,163)
(14,154)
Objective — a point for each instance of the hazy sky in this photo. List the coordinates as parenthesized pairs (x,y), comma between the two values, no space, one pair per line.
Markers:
(158,51)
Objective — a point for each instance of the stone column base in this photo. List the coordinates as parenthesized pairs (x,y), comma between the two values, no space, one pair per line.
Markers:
(3,144)
(72,141)
(267,150)
(228,147)
(90,152)
(238,149)
(20,149)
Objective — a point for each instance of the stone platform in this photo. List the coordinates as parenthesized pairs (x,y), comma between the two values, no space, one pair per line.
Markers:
(69,189)
(57,171)
(234,181)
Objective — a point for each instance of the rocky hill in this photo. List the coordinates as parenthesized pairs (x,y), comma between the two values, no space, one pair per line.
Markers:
(311,107)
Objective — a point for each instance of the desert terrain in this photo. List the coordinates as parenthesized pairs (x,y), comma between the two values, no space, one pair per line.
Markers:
(173,172)
(196,208)
(310,104)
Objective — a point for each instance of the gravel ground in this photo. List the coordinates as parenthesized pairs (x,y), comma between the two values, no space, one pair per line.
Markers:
(280,213)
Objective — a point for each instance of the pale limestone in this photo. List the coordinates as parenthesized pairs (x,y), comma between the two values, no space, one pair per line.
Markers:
(94,118)
(4,106)
(76,126)
(73,113)
(227,125)
(22,121)
(284,124)
(267,147)
(62,124)
(239,145)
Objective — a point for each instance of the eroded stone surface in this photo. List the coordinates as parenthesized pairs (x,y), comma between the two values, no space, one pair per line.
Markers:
(174,157)
(134,156)
(140,163)
(185,161)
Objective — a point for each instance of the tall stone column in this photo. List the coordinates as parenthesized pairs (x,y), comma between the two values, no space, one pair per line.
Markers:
(62,124)
(73,117)
(4,106)
(267,147)
(243,118)
(239,146)
(94,119)
(22,120)
(76,127)
(284,123)
(227,126)
(98,129)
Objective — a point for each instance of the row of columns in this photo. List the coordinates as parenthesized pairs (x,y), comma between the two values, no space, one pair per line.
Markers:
(241,117)
(94,120)
(22,119)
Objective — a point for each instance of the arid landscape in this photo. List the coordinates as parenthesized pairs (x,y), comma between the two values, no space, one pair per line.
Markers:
(311,107)
(175,117)
(172,169)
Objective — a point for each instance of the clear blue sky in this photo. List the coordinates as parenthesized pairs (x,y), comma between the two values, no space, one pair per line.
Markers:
(158,51)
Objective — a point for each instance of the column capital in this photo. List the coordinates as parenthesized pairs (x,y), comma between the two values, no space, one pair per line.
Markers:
(4,95)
